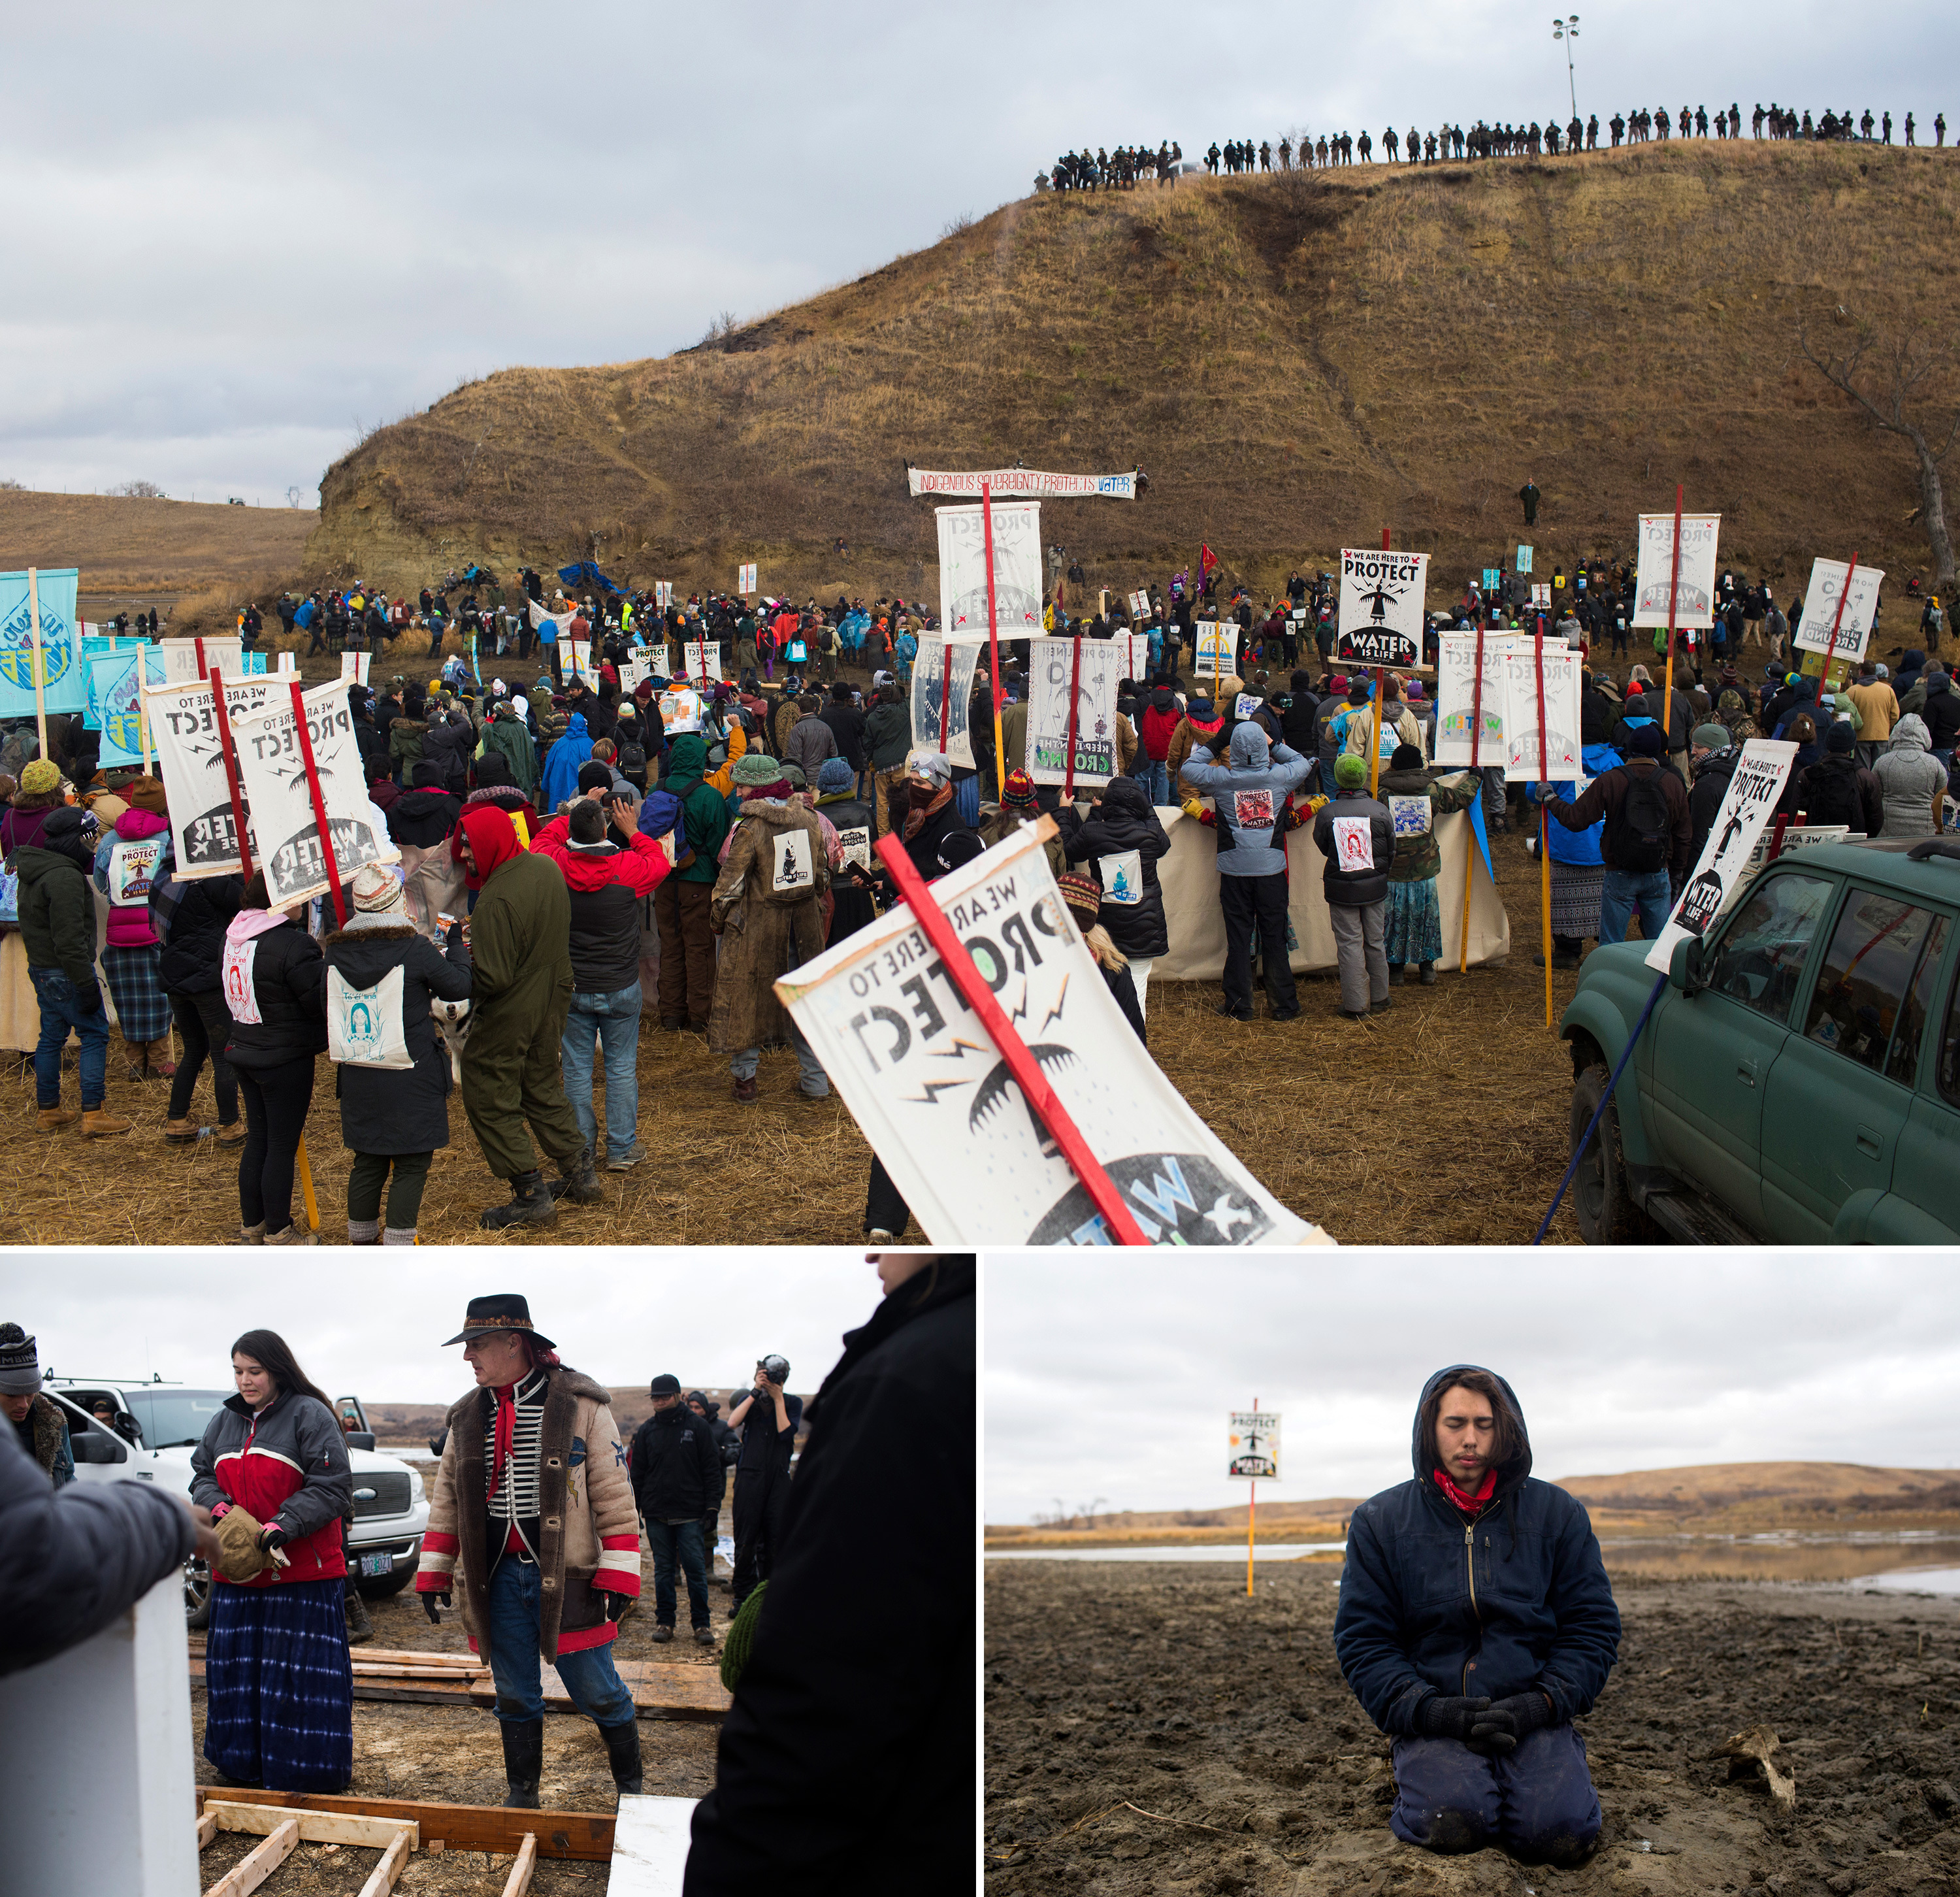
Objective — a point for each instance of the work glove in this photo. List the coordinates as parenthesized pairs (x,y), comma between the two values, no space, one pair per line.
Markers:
(1498,1730)
(618,1606)
(272,1537)
(1440,1717)
(88,998)
(429,1607)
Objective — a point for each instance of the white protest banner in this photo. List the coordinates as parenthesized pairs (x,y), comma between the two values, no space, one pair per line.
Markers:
(744,579)
(353,665)
(1052,666)
(1255,1447)
(1214,648)
(929,699)
(181,658)
(1017,569)
(1004,482)
(1653,571)
(631,671)
(1456,698)
(551,628)
(663,594)
(286,830)
(190,758)
(1820,606)
(1382,599)
(571,665)
(1562,747)
(115,688)
(932,1094)
(703,658)
(1761,773)
(63,687)
(680,710)
(1140,604)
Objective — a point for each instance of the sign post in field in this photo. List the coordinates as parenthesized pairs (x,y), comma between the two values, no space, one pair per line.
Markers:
(1255,1445)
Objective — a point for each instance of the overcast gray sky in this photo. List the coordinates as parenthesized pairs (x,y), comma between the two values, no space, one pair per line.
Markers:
(233,233)
(1111,1376)
(372,1325)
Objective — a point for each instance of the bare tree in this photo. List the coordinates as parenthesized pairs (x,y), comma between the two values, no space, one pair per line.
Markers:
(1891,377)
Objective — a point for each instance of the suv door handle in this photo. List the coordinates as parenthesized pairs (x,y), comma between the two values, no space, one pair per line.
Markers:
(1745,1072)
(1868,1142)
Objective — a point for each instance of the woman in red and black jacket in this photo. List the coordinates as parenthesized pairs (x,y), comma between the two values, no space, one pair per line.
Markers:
(279,1682)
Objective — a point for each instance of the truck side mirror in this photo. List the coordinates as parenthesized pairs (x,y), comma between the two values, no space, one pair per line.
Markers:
(1684,967)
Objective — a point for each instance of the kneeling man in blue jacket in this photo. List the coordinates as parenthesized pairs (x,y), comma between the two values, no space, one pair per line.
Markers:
(1476,1623)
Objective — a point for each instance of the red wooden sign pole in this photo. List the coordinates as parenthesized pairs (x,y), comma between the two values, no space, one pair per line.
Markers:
(319,803)
(992,635)
(1673,599)
(1041,1097)
(1545,819)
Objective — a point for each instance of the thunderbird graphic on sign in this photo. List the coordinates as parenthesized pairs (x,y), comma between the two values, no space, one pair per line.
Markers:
(1379,598)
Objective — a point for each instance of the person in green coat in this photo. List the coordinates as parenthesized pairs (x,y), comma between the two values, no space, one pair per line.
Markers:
(681,902)
(520,992)
(1416,796)
(504,730)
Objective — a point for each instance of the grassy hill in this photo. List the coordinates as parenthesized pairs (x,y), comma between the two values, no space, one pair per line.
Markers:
(1297,361)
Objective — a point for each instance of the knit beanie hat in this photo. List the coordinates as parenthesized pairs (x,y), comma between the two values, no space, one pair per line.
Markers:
(1350,772)
(1083,898)
(1407,757)
(1839,742)
(1019,793)
(933,766)
(1647,740)
(1714,737)
(756,767)
(835,774)
(40,777)
(19,1366)
(377,890)
(145,794)
(797,781)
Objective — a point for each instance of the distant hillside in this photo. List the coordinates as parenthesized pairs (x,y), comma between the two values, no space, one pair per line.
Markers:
(1297,361)
(417,1422)
(131,547)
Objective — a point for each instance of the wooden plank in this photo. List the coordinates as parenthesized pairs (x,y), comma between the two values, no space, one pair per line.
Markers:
(207,1829)
(393,1670)
(519,1882)
(258,1864)
(316,1827)
(660,1689)
(382,1879)
(580,1834)
(650,1846)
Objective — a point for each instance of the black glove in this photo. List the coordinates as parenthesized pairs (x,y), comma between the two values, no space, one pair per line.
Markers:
(1441,1718)
(618,1606)
(88,998)
(1498,1730)
(272,1537)
(429,1607)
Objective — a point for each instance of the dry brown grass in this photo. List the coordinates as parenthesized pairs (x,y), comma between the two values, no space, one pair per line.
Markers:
(149,548)
(1296,361)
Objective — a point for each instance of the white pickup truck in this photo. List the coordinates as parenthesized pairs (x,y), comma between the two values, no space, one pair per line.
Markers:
(153,1427)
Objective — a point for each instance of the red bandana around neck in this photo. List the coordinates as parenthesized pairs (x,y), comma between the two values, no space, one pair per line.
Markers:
(506,1395)
(1470,1505)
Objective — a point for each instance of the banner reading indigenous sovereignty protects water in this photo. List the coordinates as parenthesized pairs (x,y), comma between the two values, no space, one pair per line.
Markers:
(115,682)
(1017,569)
(273,767)
(929,698)
(62,684)
(1820,604)
(931,1093)
(184,727)
(1653,571)
(1004,482)
(1381,601)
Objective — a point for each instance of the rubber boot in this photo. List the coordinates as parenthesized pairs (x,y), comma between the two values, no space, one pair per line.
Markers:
(530,1203)
(578,1180)
(52,1119)
(359,1626)
(98,1122)
(622,1754)
(524,1760)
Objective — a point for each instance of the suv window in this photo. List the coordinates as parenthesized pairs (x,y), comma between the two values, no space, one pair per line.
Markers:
(1760,959)
(1946,1072)
(1902,1063)
(1862,989)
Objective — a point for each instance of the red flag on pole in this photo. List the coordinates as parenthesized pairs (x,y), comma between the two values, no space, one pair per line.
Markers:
(1206,560)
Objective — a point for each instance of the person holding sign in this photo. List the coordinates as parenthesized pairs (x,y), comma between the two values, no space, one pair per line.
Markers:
(1476,1623)
(127,860)
(1649,830)
(1354,833)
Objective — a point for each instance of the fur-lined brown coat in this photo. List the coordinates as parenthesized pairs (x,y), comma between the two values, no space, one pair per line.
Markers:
(763,937)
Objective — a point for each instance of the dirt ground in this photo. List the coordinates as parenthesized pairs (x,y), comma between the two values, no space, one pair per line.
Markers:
(452,1755)
(1149,1729)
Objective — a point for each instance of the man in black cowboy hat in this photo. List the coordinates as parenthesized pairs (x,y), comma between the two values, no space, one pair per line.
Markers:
(532,1517)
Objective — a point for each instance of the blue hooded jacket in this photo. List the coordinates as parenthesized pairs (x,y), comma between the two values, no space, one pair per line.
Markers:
(1431,1602)
(1248,798)
(561,763)
(1578,849)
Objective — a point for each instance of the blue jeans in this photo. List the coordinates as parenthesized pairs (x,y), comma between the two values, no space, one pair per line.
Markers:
(1537,1802)
(613,1021)
(1154,773)
(811,1078)
(1648,892)
(670,1540)
(589,1676)
(56,996)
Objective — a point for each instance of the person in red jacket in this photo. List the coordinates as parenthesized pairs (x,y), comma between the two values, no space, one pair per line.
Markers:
(608,885)
(279,1683)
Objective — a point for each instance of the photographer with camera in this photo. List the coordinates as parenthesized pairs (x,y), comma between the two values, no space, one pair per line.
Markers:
(769,1418)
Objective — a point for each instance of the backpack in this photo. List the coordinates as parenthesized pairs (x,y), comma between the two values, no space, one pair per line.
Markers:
(1637,836)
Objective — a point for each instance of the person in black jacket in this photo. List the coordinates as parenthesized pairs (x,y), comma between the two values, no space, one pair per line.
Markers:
(189,920)
(677,1480)
(392,1119)
(448,742)
(847,726)
(274,983)
(768,1418)
(1122,840)
(848,1759)
(1476,1623)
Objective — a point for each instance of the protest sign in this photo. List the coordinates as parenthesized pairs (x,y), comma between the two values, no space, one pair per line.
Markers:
(1052,665)
(930,700)
(1820,608)
(680,710)
(745,579)
(1409,816)
(663,594)
(632,672)
(1524,559)
(285,828)
(702,658)
(1456,695)
(1214,648)
(1382,596)
(63,687)
(115,679)
(1492,577)
(1017,569)
(1653,570)
(932,1095)
(1255,1445)
(353,665)
(1540,593)
(575,662)
(190,758)
(1023,481)
(1140,604)
(1761,773)
(181,662)
(96,645)
(252,664)
(1562,746)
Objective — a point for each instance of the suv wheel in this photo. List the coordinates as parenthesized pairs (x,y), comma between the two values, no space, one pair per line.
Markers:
(1601,1202)
(196,1594)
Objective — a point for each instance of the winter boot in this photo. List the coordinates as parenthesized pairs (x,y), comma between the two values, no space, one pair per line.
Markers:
(253,1234)
(232,1135)
(622,1753)
(1395,975)
(1427,976)
(98,1122)
(359,1626)
(181,1133)
(744,1091)
(52,1119)
(524,1760)
(578,1180)
(530,1203)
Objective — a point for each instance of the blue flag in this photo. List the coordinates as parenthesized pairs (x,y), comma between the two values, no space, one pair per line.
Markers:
(1482,835)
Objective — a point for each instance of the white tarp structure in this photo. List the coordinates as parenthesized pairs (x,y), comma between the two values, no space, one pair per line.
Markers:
(190,756)
(62,688)
(1254,1442)
(1017,570)
(1006,482)
(930,700)
(1761,773)
(933,1096)
(279,785)
(1820,603)
(1380,618)
(1052,667)
(1509,708)
(1653,571)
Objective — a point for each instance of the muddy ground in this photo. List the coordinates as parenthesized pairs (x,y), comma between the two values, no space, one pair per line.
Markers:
(443,1754)
(1150,1730)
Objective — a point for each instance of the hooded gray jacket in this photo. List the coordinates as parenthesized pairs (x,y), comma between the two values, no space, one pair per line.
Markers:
(1248,798)
(1909,774)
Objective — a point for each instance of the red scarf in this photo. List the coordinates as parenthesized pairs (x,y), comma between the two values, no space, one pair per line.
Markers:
(506,1395)
(1470,1505)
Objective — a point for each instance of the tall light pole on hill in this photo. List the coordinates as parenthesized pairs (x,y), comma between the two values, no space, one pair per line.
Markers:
(1567,30)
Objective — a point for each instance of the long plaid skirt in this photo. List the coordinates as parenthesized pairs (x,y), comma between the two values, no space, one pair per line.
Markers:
(279,1686)
(1412,929)
(142,1009)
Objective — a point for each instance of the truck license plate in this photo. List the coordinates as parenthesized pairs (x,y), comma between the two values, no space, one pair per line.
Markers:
(381,1563)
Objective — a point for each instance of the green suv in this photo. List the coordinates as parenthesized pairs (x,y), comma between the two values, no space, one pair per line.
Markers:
(1800,1077)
